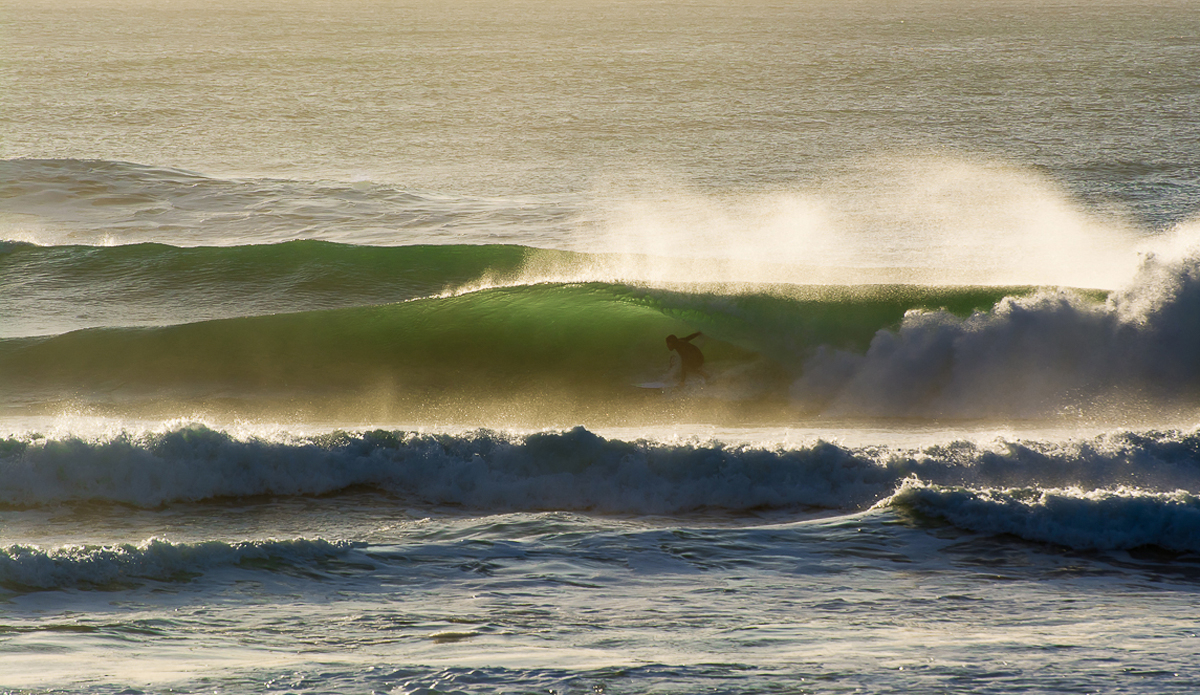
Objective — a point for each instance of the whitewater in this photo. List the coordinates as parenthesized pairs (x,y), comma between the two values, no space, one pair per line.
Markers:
(322,325)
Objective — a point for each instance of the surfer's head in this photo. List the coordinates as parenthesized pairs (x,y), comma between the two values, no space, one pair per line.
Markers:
(672,341)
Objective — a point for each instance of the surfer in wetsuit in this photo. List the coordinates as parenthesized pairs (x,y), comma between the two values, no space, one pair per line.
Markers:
(691,360)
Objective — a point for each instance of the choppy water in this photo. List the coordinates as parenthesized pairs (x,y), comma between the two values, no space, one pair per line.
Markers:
(320,325)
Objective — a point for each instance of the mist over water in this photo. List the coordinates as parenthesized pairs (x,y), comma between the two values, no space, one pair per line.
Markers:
(923,141)
(917,219)
(922,220)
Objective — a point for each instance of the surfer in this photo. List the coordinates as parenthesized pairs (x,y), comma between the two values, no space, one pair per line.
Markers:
(691,360)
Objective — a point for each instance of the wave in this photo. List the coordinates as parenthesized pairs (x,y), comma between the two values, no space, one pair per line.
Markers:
(25,567)
(574,470)
(554,352)
(52,289)
(512,335)
(158,284)
(61,201)
(1118,519)
(582,344)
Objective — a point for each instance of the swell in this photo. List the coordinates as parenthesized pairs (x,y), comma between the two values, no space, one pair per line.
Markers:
(57,288)
(312,266)
(24,568)
(56,200)
(157,284)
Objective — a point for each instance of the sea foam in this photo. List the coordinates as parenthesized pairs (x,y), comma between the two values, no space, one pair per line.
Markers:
(1028,356)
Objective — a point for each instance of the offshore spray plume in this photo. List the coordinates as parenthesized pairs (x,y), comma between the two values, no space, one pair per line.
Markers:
(923,220)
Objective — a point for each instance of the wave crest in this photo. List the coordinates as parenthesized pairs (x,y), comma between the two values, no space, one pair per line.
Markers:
(1117,519)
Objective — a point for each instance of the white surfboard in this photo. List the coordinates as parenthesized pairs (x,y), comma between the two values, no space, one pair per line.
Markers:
(653,385)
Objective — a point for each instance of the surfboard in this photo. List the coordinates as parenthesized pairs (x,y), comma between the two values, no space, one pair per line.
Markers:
(653,385)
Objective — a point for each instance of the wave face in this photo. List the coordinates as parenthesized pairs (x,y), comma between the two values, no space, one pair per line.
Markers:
(26,567)
(400,336)
(157,284)
(575,470)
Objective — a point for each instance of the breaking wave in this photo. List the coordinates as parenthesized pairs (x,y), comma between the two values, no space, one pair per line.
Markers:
(1111,519)
(583,343)
(573,470)
(1027,356)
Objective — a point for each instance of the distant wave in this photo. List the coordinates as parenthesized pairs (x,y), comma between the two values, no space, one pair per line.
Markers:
(1118,519)
(251,279)
(26,567)
(127,203)
(570,470)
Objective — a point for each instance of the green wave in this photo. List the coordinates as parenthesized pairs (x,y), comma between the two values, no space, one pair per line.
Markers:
(257,279)
(582,343)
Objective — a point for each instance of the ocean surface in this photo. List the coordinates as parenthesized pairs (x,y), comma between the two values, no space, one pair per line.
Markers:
(322,326)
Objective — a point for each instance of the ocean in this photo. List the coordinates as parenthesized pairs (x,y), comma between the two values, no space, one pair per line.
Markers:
(326,330)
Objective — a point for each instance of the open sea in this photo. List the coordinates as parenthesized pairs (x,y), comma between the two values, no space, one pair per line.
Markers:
(322,325)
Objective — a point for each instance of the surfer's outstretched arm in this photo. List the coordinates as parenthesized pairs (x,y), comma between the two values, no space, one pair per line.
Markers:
(694,335)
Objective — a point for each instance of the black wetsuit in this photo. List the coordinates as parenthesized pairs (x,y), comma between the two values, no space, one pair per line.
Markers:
(690,357)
